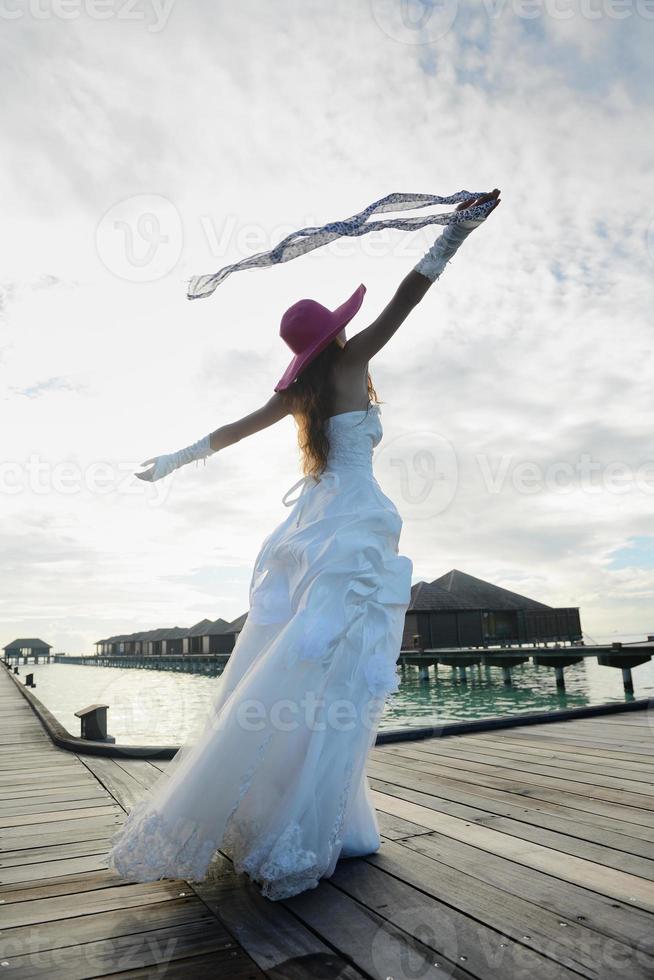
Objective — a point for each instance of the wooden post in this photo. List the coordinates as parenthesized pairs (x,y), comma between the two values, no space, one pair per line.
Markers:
(423,673)
(29,680)
(506,676)
(94,723)
(627,680)
(560,679)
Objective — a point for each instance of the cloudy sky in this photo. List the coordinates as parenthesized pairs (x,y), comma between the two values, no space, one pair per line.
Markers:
(145,143)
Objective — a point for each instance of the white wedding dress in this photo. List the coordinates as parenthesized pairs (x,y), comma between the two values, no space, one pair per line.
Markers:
(276,778)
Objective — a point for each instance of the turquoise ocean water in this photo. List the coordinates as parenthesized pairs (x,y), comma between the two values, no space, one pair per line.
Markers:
(164,707)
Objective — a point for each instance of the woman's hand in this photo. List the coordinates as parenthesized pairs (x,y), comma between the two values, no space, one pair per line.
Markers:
(455,233)
(475,202)
(162,466)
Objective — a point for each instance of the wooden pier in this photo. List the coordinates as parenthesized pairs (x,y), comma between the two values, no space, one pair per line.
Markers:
(555,656)
(194,663)
(621,656)
(519,854)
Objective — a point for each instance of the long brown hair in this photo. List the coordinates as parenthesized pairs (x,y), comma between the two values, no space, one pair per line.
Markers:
(309,399)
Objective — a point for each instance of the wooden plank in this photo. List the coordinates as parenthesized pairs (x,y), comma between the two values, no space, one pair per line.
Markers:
(120,783)
(427,901)
(116,922)
(544,759)
(87,791)
(13,808)
(565,900)
(277,942)
(68,836)
(628,888)
(374,945)
(61,885)
(500,777)
(60,907)
(38,855)
(566,759)
(437,782)
(60,865)
(518,799)
(591,744)
(568,936)
(151,949)
(568,841)
(31,781)
(50,816)
(606,723)
(494,765)
(141,770)
(395,828)
(215,965)
(60,826)
(489,805)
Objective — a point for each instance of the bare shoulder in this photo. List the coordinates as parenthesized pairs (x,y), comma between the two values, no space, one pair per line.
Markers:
(272,411)
(276,408)
(349,378)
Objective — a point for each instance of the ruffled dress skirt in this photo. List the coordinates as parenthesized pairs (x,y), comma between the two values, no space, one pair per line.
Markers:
(276,777)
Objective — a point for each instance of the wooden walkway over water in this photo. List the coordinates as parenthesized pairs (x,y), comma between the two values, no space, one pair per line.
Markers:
(520,853)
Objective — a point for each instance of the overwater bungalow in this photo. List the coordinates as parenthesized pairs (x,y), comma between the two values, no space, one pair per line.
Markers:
(30,649)
(459,610)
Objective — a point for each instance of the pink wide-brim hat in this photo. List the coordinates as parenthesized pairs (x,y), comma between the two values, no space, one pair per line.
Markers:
(308,327)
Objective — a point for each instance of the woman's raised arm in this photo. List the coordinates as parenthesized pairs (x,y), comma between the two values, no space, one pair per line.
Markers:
(368,342)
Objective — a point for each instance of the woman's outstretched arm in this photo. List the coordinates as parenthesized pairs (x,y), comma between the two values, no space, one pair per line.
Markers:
(226,435)
(274,410)
(368,342)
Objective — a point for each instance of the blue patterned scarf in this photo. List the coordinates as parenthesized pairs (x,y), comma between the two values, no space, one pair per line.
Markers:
(306,239)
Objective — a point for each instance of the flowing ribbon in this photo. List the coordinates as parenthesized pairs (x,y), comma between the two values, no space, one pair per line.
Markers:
(307,239)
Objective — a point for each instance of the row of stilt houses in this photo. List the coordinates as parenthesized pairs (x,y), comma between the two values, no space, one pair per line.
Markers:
(207,636)
(455,610)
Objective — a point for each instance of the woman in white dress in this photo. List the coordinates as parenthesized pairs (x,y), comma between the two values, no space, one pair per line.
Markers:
(276,778)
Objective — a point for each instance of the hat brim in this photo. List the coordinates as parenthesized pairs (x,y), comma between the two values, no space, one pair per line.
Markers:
(342,316)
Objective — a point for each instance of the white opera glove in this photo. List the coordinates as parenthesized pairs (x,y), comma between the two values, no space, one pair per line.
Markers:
(446,245)
(163,465)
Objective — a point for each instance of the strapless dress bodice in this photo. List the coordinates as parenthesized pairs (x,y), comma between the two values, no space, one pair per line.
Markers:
(353,437)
